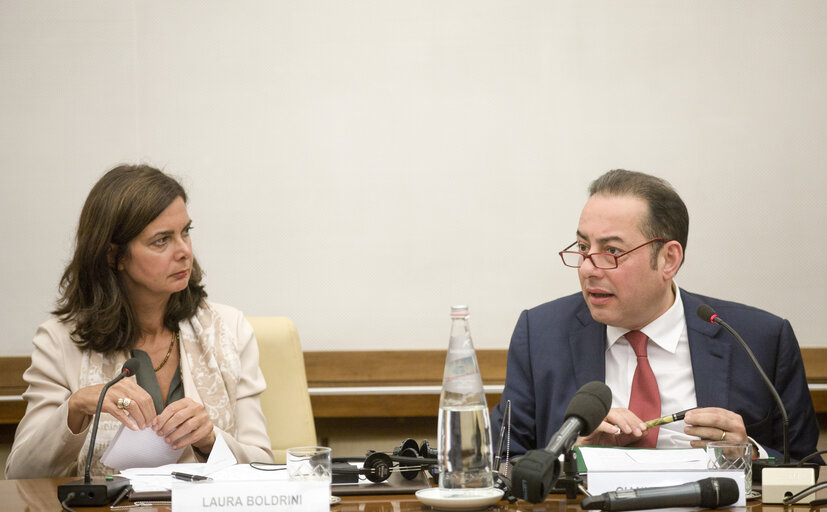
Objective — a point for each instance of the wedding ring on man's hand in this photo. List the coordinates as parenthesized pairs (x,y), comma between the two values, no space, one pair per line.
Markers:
(123,403)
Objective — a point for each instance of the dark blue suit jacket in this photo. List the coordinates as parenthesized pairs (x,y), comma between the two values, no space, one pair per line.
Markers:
(557,347)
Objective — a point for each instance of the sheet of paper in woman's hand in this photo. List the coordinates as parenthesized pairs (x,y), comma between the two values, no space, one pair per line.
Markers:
(139,449)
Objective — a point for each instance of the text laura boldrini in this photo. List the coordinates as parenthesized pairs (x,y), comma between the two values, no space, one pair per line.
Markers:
(221,502)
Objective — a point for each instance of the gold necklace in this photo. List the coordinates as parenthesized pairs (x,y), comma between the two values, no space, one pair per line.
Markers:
(166,358)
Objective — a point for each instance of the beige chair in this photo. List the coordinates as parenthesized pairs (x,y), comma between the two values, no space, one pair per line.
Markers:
(285,402)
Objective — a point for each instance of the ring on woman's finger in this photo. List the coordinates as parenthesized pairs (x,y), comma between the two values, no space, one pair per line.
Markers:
(723,435)
(123,403)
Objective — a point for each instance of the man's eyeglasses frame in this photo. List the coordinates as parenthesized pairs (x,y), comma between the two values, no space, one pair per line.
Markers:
(582,257)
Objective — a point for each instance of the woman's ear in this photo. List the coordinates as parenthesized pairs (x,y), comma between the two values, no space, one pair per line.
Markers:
(111,255)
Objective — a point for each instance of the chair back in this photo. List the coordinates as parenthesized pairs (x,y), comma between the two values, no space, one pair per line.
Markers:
(285,402)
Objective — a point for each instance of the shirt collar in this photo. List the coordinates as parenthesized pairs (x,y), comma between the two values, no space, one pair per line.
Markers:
(665,330)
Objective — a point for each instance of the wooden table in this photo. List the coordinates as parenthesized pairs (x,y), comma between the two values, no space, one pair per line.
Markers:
(40,495)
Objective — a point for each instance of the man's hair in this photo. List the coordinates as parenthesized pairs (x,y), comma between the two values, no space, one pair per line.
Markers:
(120,205)
(668,217)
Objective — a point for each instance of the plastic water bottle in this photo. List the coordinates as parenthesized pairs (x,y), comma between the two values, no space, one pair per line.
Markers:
(464,429)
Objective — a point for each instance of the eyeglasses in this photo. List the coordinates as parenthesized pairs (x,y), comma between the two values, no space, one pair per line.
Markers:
(575,259)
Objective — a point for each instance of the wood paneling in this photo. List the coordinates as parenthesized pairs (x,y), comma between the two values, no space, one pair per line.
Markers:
(11,412)
(380,368)
(11,384)
(11,374)
(815,364)
(392,368)
(382,406)
(388,368)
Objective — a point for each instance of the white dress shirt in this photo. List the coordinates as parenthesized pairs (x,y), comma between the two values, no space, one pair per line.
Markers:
(671,363)
(669,358)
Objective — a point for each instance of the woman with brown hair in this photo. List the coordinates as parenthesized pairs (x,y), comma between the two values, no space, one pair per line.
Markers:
(133,289)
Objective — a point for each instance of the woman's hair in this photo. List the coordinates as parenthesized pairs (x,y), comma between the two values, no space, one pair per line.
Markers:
(121,204)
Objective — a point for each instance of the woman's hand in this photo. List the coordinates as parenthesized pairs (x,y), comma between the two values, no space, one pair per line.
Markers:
(83,402)
(185,422)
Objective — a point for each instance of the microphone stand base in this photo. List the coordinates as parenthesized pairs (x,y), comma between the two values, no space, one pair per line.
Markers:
(503,482)
(779,482)
(569,485)
(100,491)
(571,482)
(758,466)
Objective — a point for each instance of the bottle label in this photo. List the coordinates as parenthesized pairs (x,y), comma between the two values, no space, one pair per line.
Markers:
(461,367)
(461,375)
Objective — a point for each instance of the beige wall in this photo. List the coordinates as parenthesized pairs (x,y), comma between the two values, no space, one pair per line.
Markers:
(361,166)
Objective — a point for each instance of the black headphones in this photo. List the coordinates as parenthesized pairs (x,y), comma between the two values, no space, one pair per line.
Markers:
(409,448)
(408,459)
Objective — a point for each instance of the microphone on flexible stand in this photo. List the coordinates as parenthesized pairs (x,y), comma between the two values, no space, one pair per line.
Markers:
(708,314)
(706,493)
(538,470)
(777,475)
(99,491)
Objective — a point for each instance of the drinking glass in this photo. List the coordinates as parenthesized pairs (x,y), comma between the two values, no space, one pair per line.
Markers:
(309,463)
(729,455)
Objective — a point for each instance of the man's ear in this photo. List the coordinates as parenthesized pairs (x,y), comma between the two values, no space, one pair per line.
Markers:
(672,257)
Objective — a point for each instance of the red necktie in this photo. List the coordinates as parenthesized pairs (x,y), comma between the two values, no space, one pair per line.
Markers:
(645,397)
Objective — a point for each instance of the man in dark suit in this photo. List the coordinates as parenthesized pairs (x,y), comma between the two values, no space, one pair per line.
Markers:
(630,244)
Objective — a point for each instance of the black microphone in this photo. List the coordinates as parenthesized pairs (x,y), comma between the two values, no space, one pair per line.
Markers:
(538,470)
(706,493)
(101,491)
(708,314)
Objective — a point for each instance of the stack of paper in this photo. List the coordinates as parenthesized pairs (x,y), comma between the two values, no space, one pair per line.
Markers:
(153,479)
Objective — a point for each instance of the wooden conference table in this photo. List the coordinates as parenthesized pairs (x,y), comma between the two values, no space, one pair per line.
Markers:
(40,495)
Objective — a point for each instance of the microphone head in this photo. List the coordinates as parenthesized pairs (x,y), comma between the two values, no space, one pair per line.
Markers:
(706,312)
(591,404)
(131,366)
(718,492)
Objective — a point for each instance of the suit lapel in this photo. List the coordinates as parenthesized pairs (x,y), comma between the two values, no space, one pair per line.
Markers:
(588,349)
(710,356)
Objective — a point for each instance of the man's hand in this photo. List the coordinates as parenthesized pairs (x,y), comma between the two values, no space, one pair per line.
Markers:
(714,424)
(620,428)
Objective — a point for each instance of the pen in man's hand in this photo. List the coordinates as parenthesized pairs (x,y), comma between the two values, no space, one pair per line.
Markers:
(678,416)
(188,477)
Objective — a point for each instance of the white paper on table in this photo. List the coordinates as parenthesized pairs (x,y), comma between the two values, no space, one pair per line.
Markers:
(619,459)
(145,479)
(160,478)
(242,472)
(138,448)
(220,456)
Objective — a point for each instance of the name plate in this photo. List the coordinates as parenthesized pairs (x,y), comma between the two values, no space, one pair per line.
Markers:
(244,496)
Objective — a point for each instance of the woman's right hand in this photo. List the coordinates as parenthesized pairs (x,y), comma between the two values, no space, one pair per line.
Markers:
(83,402)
